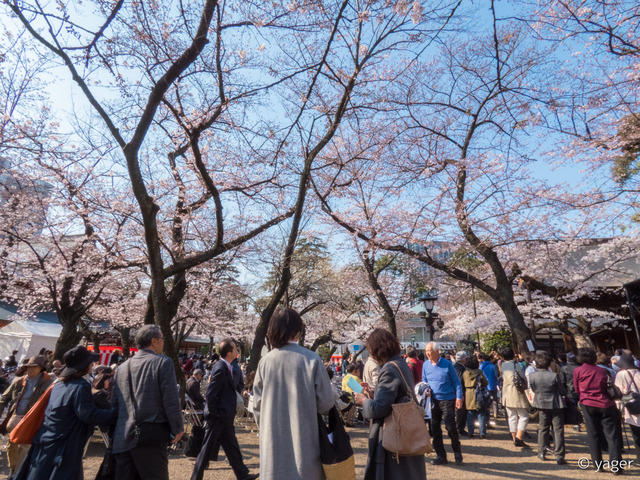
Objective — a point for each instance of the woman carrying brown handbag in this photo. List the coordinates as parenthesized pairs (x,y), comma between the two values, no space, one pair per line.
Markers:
(395,376)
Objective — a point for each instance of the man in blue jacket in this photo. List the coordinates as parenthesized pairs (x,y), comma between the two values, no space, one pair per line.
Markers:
(446,396)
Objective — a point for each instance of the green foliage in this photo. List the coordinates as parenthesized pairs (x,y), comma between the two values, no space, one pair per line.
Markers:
(310,258)
(324,351)
(495,341)
(466,259)
(392,264)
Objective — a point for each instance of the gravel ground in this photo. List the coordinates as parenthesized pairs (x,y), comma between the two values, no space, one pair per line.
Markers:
(493,458)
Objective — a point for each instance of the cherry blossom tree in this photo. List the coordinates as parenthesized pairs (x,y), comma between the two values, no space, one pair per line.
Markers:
(58,247)
(571,286)
(599,70)
(356,57)
(452,161)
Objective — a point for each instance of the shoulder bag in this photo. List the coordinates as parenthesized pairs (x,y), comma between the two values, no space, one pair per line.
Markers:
(517,379)
(194,442)
(24,432)
(336,453)
(404,432)
(147,433)
(613,391)
(631,400)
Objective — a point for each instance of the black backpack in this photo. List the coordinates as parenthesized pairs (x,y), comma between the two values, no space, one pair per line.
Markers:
(483,396)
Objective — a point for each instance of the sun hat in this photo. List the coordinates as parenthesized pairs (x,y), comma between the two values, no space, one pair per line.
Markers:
(37,361)
(77,359)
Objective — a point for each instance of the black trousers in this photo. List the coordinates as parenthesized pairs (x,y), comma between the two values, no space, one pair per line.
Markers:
(602,423)
(546,419)
(444,411)
(221,430)
(461,418)
(148,462)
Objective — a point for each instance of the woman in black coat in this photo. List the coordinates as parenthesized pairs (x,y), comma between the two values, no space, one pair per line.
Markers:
(56,453)
(391,388)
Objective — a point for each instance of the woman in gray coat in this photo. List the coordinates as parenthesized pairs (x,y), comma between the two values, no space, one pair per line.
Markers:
(391,388)
(548,399)
(290,388)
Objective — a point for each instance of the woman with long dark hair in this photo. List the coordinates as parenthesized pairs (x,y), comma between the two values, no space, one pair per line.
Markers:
(395,376)
(56,453)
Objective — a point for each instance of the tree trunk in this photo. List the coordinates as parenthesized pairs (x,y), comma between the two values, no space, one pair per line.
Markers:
(389,314)
(321,340)
(583,340)
(331,352)
(69,337)
(515,320)
(125,334)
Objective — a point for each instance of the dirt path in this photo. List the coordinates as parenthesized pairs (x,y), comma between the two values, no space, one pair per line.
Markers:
(493,458)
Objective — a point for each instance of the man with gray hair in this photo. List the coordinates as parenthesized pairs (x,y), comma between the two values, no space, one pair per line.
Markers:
(193,389)
(446,396)
(149,413)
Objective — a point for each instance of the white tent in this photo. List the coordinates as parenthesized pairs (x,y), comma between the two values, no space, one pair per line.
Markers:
(28,338)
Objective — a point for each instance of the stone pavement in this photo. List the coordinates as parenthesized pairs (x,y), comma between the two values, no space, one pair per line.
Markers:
(493,458)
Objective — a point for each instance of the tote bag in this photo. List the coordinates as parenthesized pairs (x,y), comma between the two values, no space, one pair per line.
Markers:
(336,454)
(404,431)
(25,430)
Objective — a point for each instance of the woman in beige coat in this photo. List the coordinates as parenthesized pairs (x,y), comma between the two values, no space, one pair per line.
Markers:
(513,400)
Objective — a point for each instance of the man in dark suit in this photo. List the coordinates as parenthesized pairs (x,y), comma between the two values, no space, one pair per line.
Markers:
(219,412)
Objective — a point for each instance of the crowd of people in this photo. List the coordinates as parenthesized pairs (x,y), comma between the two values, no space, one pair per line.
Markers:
(138,407)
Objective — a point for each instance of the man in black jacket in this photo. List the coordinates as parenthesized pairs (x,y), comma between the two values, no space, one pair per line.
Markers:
(219,412)
(193,389)
(566,375)
(461,413)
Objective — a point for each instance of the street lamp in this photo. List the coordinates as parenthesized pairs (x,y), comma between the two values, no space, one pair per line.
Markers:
(428,299)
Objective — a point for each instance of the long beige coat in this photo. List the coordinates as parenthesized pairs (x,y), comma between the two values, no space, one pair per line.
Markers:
(290,388)
(511,396)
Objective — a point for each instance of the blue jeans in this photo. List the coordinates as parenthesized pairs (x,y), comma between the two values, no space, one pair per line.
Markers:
(482,416)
